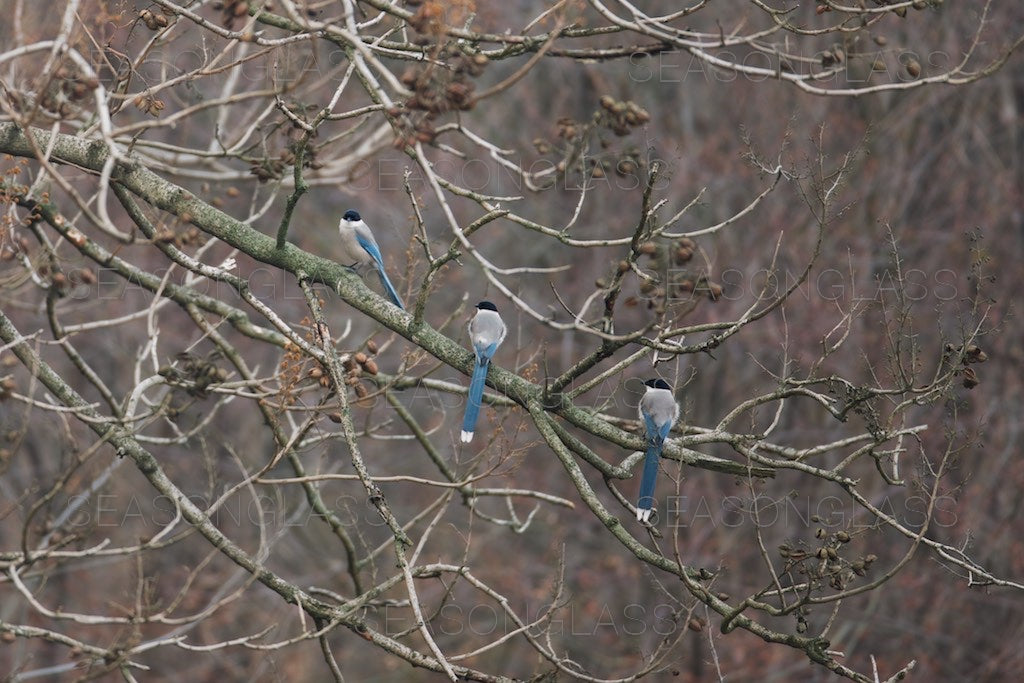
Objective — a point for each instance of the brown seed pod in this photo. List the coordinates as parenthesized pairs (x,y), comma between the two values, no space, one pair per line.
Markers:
(371,346)
(714,291)
(148,19)
(913,68)
(359,357)
(371,366)
(409,76)
(334,417)
(970,378)
(607,102)
(843,537)
(361,391)
(626,167)
(649,248)
(974,354)
(694,624)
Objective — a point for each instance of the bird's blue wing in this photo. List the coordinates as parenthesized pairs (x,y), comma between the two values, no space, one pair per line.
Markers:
(485,351)
(656,433)
(649,426)
(371,248)
(367,243)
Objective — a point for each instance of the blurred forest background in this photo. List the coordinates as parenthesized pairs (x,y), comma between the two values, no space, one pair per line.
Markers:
(920,250)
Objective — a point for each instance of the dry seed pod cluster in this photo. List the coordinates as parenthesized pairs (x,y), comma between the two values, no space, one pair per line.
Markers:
(67,87)
(195,374)
(825,563)
(969,355)
(358,363)
(232,10)
(436,91)
(620,117)
(148,104)
(154,21)
(188,237)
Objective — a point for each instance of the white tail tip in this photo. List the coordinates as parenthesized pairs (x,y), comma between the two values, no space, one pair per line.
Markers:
(467,436)
(643,514)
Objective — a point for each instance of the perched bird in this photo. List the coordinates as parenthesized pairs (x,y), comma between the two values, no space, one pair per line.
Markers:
(486,332)
(360,250)
(659,411)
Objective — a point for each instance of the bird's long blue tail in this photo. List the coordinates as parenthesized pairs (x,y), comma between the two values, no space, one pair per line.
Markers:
(391,290)
(476,395)
(650,475)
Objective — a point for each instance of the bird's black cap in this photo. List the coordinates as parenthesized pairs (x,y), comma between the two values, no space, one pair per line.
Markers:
(657,384)
(351,215)
(487,306)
